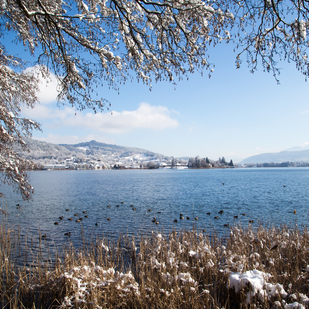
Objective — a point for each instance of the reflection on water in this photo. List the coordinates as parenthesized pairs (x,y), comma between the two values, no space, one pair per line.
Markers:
(127,201)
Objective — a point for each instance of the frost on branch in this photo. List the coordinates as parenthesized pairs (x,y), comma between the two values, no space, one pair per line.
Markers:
(99,42)
(270,31)
(15,89)
(92,43)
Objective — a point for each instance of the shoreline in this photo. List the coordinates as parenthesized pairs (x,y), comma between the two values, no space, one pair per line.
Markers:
(180,169)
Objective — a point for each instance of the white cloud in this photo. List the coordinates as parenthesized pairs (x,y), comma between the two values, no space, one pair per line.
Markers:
(48,87)
(146,116)
(43,112)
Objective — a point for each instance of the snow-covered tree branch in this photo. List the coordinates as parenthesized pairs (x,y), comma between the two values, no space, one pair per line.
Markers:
(14,89)
(269,31)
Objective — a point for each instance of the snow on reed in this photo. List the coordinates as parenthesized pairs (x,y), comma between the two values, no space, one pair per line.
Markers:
(257,283)
(266,268)
(83,280)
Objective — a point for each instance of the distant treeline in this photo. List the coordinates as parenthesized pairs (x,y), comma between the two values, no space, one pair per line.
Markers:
(198,162)
(282,164)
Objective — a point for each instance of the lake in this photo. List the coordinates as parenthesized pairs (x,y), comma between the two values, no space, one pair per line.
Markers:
(267,196)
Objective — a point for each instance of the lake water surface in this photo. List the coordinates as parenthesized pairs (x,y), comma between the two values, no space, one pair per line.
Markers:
(267,196)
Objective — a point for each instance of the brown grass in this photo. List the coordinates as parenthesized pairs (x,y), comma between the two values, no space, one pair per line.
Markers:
(180,270)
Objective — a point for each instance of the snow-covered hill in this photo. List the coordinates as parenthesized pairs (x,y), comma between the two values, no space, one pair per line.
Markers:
(93,154)
(279,157)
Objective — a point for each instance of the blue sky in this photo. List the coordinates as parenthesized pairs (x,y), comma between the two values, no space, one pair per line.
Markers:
(234,114)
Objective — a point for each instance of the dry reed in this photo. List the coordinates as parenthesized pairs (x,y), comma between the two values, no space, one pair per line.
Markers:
(185,269)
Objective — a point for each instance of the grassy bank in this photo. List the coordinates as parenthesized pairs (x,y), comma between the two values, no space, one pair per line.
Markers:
(260,268)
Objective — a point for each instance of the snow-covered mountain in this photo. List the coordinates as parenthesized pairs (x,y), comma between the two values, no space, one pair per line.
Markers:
(279,157)
(94,153)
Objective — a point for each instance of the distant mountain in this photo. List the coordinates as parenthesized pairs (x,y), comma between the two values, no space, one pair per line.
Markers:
(278,157)
(95,148)
(44,153)
(47,151)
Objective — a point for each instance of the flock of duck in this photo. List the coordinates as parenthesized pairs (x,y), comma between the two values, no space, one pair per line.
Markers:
(79,218)
(182,217)
(71,219)
(84,215)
